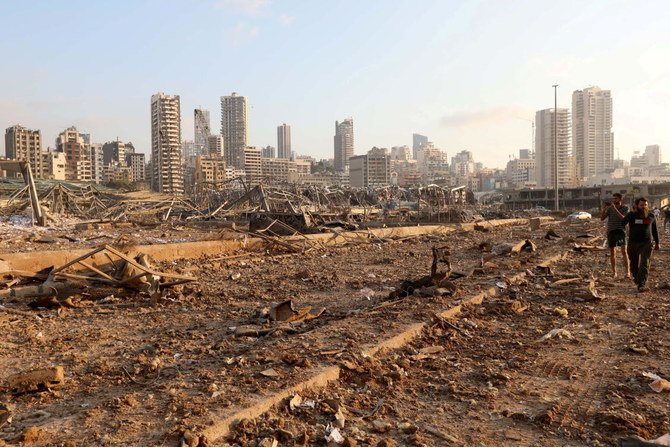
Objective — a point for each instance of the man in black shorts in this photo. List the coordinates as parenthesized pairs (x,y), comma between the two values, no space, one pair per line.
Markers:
(614,212)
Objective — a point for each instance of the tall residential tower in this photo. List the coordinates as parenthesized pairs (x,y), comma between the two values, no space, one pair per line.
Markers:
(166,160)
(344,143)
(284,141)
(544,148)
(24,145)
(592,131)
(201,130)
(234,129)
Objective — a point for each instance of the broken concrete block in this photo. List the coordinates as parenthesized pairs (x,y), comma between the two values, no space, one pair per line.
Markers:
(36,380)
(535,223)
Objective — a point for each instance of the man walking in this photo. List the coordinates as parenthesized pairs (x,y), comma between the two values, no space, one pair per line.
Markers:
(641,230)
(615,212)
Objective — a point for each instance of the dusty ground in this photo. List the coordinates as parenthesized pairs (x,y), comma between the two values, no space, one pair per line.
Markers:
(140,374)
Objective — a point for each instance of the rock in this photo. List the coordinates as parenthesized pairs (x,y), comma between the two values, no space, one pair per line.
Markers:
(189,439)
(381,426)
(268,442)
(349,442)
(283,435)
(34,435)
(387,443)
(36,380)
(407,427)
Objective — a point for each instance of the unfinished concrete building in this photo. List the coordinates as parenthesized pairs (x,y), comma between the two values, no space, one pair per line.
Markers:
(167,174)
(25,145)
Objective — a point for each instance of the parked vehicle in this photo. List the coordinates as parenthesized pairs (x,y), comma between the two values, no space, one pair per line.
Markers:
(580,215)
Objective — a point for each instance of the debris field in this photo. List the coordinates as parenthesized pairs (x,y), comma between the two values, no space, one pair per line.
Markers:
(482,335)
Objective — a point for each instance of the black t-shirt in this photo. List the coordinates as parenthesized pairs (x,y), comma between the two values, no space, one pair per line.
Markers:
(642,229)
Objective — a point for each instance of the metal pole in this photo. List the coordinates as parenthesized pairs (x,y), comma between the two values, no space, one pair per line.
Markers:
(556,205)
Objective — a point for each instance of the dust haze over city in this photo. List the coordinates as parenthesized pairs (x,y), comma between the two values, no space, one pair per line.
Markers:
(469,75)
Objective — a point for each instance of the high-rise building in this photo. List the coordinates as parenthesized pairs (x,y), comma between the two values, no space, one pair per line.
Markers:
(96,162)
(201,130)
(268,152)
(166,161)
(78,163)
(592,131)
(234,129)
(252,165)
(284,141)
(215,146)
(114,151)
(188,151)
(653,155)
(25,145)
(544,148)
(418,140)
(344,143)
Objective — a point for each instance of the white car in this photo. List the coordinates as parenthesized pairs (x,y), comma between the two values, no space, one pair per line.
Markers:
(580,215)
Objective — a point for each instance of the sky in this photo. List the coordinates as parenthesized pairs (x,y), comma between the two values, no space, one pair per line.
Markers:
(469,75)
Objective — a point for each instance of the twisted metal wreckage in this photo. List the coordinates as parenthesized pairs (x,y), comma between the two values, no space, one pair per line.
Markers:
(298,207)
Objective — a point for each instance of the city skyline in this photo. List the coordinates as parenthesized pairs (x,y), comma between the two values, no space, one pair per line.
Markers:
(454,72)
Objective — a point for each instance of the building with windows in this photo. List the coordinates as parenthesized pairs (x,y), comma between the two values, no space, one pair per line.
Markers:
(209,169)
(97,163)
(545,149)
(252,165)
(284,141)
(167,174)
(592,141)
(25,145)
(53,165)
(344,143)
(520,172)
(371,170)
(215,146)
(136,163)
(78,162)
(268,152)
(234,129)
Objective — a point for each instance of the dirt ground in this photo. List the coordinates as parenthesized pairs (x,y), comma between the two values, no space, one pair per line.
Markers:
(141,373)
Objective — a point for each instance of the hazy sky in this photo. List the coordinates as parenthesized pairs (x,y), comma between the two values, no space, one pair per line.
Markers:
(469,75)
